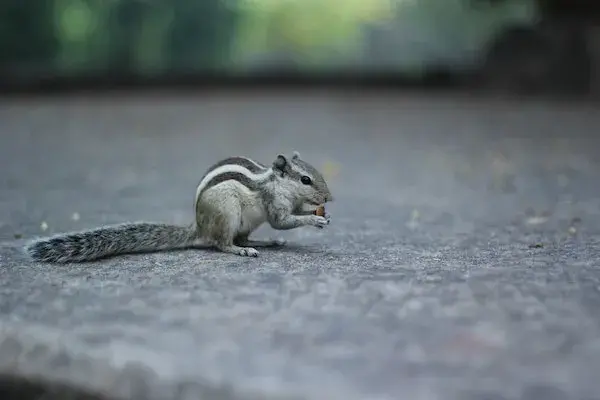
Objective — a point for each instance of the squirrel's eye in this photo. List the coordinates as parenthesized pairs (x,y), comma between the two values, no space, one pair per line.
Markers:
(305,180)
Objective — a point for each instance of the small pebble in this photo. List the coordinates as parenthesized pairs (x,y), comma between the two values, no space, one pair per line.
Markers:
(536,220)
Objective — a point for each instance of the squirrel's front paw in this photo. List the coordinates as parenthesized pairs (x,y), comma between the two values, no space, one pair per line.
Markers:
(319,222)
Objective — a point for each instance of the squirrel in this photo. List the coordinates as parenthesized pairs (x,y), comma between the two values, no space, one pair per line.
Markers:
(234,197)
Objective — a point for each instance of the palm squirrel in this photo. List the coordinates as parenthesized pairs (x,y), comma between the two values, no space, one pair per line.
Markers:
(234,197)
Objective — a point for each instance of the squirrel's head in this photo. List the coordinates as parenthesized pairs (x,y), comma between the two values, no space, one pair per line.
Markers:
(301,179)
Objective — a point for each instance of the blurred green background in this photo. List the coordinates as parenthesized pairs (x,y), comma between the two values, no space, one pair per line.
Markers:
(71,37)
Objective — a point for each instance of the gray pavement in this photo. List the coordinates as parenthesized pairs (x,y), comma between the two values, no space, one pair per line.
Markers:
(460,263)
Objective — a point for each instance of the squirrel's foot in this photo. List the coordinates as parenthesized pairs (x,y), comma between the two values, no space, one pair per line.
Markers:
(240,251)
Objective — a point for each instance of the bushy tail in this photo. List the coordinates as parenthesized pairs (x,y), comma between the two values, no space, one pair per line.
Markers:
(110,241)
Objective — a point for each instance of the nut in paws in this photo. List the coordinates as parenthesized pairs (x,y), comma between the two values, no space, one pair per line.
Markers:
(320,211)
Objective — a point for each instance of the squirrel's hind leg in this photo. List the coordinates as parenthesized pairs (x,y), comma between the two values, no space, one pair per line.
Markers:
(223,230)
(230,245)
(242,240)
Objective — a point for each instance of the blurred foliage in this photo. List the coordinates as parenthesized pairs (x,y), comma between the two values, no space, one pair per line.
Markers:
(27,34)
(454,32)
(153,36)
(144,36)
(314,29)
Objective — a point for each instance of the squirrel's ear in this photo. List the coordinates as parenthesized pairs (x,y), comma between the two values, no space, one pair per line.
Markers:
(295,155)
(280,162)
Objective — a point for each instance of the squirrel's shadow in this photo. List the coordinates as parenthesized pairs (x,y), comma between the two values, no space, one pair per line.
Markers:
(286,248)
(296,248)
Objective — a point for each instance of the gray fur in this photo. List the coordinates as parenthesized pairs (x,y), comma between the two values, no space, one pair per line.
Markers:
(110,240)
(228,208)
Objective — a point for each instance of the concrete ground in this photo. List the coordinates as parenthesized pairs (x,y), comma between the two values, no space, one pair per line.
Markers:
(460,263)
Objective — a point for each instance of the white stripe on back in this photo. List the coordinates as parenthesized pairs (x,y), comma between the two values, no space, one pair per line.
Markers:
(232,168)
(255,163)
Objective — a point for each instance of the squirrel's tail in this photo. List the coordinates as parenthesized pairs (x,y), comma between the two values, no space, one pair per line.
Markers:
(109,241)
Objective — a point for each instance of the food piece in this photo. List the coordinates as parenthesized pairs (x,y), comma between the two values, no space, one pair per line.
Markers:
(320,211)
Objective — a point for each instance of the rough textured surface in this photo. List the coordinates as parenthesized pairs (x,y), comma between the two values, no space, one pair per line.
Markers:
(460,263)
